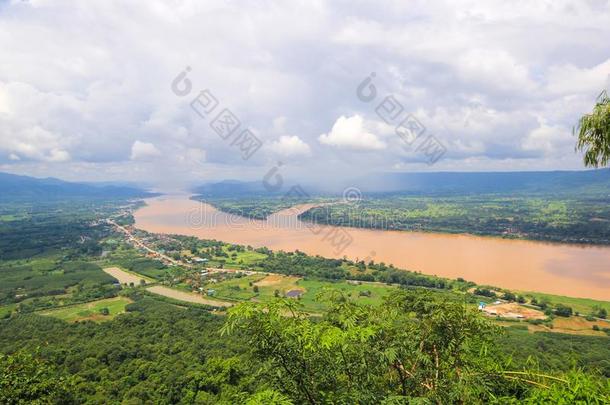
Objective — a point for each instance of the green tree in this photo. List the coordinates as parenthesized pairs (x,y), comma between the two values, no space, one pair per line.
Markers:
(601,313)
(594,133)
(509,296)
(25,379)
(268,397)
(414,346)
(574,388)
(563,310)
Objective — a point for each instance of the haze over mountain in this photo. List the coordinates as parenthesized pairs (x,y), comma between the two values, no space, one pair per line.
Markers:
(25,188)
(590,181)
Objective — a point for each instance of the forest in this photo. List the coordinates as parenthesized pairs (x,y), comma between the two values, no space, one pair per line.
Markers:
(547,217)
(418,348)
(425,342)
(566,216)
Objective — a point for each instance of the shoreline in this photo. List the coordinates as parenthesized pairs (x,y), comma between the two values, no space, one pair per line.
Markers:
(573,270)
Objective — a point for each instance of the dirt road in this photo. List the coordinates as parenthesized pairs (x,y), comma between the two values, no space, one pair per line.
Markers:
(187,297)
(125,277)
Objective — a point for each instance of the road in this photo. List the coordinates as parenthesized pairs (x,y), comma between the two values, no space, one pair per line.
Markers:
(126,278)
(139,243)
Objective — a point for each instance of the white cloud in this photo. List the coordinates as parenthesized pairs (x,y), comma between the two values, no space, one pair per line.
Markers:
(570,79)
(480,75)
(34,143)
(290,146)
(350,133)
(547,138)
(494,69)
(144,151)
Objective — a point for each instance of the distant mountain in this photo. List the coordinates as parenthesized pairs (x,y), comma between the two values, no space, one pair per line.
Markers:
(441,183)
(23,188)
(231,188)
(463,183)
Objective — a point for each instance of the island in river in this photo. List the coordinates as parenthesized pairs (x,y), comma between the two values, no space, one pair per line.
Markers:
(563,269)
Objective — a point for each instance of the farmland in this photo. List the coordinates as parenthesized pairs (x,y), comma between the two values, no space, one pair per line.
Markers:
(101,310)
(265,288)
(96,330)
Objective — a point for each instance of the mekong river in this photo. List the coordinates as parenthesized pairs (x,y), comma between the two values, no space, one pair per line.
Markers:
(572,270)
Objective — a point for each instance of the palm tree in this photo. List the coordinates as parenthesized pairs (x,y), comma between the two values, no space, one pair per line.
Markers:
(594,133)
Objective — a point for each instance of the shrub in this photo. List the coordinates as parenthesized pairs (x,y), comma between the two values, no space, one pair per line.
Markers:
(563,310)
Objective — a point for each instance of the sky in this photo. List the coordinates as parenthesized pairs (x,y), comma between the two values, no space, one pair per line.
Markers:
(148,91)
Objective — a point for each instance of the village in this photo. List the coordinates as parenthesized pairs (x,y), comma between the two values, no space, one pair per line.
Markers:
(200,277)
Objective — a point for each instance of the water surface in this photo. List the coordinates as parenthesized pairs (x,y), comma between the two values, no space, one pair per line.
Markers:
(564,269)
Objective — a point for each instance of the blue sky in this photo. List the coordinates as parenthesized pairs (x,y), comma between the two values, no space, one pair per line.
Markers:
(85,87)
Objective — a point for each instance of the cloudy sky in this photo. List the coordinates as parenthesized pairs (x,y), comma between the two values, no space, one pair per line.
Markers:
(86,87)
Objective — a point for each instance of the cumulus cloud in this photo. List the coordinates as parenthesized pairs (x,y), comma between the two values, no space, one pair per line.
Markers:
(290,146)
(144,151)
(34,143)
(497,83)
(570,79)
(350,133)
(547,138)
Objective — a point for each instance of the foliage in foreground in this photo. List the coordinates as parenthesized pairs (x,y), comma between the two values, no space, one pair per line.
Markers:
(414,347)
(594,133)
(26,379)
(418,347)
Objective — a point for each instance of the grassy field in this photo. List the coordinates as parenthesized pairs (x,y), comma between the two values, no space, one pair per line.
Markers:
(354,291)
(5,310)
(582,305)
(131,260)
(579,326)
(239,260)
(90,310)
(242,289)
(236,289)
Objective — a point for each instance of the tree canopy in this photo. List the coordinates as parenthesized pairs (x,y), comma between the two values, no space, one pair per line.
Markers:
(594,133)
(415,347)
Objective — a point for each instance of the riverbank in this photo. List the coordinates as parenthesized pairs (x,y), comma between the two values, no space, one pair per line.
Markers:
(570,270)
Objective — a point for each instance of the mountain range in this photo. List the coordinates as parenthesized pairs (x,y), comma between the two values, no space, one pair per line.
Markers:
(24,188)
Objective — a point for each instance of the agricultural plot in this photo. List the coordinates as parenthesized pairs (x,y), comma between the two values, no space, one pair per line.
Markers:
(579,326)
(584,306)
(101,310)
(235,289)
(264,288)
(242,259)
(125,277)
(130,260)
(363,293)
(48,281)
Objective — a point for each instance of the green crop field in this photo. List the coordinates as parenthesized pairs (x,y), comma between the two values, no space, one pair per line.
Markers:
(236,289)
(90,310)
(242,289)
(582,305)
(240,259)
(357,292)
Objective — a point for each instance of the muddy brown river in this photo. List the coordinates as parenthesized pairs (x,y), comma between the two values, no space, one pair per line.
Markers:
(564,269)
